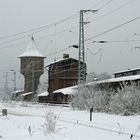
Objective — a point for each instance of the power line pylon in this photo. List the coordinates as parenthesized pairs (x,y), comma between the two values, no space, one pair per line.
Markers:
(81,63)
(6,84)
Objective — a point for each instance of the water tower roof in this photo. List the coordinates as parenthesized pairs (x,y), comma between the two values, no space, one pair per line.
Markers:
(31,51)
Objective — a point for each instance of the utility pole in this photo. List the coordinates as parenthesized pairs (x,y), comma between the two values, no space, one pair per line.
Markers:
(6,84)
(14,79)
(81,63)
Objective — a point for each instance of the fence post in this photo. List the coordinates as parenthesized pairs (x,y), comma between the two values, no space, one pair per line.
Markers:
(91,110)
(4,112)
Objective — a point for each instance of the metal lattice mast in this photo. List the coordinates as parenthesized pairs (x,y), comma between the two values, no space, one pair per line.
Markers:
(81,63)
(81,68)
(6,84)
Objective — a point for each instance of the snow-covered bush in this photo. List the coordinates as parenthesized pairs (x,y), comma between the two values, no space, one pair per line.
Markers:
(87,97)
(125,101)
(50,123)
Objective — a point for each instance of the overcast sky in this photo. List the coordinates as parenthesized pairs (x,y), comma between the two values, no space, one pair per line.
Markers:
(19,16)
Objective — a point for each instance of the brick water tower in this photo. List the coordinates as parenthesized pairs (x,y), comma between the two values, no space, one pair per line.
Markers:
(32,67)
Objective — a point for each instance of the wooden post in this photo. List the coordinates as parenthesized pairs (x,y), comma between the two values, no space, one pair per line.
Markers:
(4,112)
(91,110)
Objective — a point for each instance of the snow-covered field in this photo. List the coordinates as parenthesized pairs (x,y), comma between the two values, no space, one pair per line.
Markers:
(71,124)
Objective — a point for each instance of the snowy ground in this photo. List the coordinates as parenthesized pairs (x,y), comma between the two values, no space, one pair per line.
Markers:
(71,125)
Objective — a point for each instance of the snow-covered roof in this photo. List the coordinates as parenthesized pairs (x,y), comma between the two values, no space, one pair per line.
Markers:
(17,91)
(43,94)
(67,91)
(128,70)
(28,93)
(123,78)
(58,61)
(31,51)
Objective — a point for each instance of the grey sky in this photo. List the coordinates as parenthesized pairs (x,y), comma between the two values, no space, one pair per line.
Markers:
(22,15)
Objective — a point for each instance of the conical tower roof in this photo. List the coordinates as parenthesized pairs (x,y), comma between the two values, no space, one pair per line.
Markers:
(31,51)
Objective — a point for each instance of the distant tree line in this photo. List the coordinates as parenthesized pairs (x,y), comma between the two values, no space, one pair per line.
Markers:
(92,76)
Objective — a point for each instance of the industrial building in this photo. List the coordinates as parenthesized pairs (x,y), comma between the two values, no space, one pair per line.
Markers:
(62,73)
(120,79)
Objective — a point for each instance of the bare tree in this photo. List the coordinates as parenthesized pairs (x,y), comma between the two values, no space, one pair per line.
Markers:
(94,76)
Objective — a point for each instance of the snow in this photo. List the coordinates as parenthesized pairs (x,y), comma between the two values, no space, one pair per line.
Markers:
(128,70)
(72,89)
(67,91)
(31,51)
(17,91)
(71,125)
(59,61)
(43,94)
(123,78)
(28,93)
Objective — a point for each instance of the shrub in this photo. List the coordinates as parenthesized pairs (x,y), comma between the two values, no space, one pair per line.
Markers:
(50,123)
(125,101)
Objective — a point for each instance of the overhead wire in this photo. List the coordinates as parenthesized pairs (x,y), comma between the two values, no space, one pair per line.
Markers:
(58,23)
(98,51)
(65,48)
(68,48)
(59,72)
(47,26)
(107,3)
(96,4)
(54,72)
(56,33)
(112,11)
(39,38)
(116,27)
(5,42)
(116,41)
(38,29)
(99,35)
